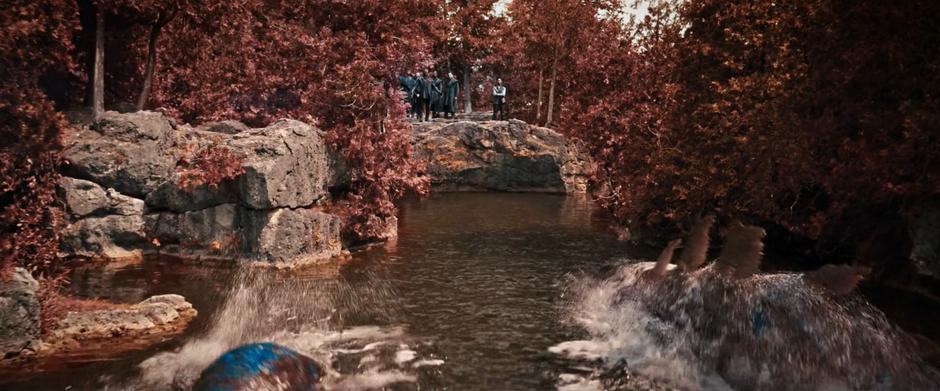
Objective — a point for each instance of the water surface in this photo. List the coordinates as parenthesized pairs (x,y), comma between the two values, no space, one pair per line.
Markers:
(470,296)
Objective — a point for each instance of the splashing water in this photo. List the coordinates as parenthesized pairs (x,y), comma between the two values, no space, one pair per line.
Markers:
(301,314)
(703,330)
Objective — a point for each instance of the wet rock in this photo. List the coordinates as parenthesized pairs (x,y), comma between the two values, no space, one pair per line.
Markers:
(499,155)
(277,235)
(287,165)
(19,313)
(291,235)
(227,127)
(153,315)
(210,231)
(131,153)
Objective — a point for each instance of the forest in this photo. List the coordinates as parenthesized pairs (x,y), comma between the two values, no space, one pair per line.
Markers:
(817,120)
(817,117)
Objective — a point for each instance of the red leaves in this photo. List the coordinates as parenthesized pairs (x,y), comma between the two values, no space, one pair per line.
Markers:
(784,112)
(34,40)
(210,166)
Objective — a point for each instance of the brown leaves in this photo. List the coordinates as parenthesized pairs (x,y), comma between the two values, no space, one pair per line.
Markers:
(209,166)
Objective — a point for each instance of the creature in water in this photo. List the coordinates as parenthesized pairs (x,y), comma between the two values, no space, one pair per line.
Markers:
(769,331)
(260,366)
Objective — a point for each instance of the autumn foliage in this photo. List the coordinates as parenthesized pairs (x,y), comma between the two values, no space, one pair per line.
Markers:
(209,167)
(34,43)
(819,117)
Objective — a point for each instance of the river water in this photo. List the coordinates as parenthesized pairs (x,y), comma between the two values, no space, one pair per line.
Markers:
(470,296)
(481,291)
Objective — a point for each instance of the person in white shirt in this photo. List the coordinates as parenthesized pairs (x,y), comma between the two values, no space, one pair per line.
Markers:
(499,99)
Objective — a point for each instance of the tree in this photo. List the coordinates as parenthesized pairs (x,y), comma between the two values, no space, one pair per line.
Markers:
(470,25)
(35,40)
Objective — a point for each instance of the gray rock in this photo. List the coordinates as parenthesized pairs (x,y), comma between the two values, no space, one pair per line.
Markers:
(212,231)
(281,235)
(19,313)
(132,153)
(169,196)
(226,127)
(292,235)
(499,155)
(148,316)
(262,214)
(85,198)
(287,165)
(109,237)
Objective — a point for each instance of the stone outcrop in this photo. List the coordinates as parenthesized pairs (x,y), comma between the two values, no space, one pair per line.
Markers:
(19,314)
(153,315)
(123,195)
(499,155)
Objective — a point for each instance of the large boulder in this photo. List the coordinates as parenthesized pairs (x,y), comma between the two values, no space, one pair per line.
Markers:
(124,197)
(281,235)
(131,153)
(499,155)
(85,198)
(19,313)
(103,223)
(292,235)
(287,165)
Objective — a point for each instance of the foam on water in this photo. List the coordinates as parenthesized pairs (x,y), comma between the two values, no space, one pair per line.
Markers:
(701,330)
(299,314)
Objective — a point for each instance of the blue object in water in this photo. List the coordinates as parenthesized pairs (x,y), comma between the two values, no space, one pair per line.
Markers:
(260,366)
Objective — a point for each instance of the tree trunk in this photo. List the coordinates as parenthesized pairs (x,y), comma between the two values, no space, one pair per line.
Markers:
(151,63)
(538,107)
(551,92)
(87,15)
(97,107)
(467,97)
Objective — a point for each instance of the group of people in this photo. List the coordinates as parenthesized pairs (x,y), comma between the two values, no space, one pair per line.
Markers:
(431,96)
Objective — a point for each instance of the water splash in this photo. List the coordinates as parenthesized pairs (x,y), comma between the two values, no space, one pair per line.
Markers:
(703,330)
(305,314)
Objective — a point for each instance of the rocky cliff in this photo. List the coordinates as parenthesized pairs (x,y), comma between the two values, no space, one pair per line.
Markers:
(499,155)
(123,194)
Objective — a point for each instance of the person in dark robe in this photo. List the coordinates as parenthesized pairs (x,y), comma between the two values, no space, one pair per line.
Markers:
(421,95)
(407,83)
(426,91)
(451,91)
(437,95)
(499,99)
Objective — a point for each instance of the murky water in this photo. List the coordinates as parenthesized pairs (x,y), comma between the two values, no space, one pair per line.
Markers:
(469,297)
(479,292)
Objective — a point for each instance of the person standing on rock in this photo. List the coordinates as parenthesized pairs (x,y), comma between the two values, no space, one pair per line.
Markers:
(499,99)
(437,95)
(408,83)
(422,96)
(451,91)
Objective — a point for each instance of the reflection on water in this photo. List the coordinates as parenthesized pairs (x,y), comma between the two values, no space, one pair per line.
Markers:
(469,295)
(476,293)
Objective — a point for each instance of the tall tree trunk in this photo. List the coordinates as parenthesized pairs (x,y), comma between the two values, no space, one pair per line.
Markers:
(87,15)
(551,92)
(151,63)
(97,107)
(538,107)
(467,98)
